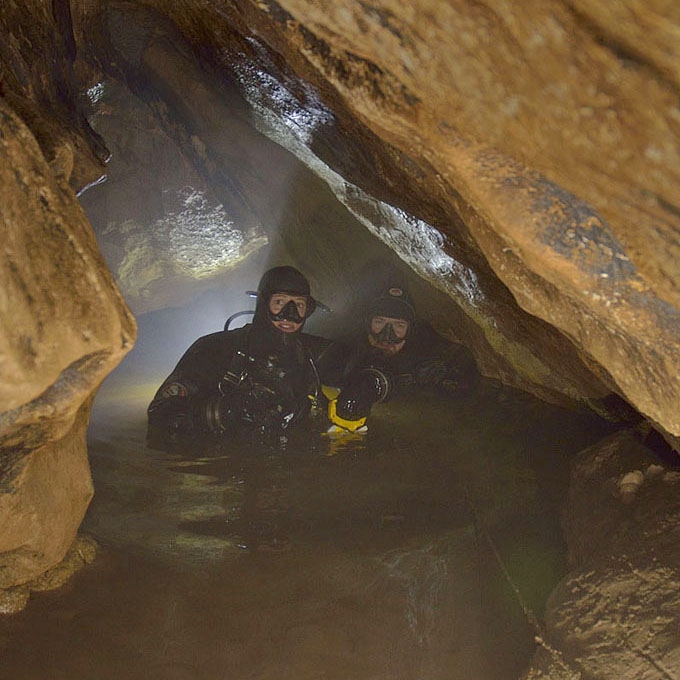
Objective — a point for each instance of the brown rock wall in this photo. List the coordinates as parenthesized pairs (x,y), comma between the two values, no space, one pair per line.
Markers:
(60,302)
(571,89)
(37,55)
(63,328)
(41,508)
(616,612)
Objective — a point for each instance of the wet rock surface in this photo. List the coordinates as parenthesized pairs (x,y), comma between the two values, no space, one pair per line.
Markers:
(64,326)
(81,553)
(616,612)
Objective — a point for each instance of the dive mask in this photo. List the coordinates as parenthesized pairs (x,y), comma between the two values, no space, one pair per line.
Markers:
(387,336)
(289,312)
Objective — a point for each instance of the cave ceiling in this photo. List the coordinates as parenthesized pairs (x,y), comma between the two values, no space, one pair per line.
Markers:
(521,162)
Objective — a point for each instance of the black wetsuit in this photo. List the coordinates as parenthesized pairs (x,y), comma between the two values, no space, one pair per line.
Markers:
(426,360)
(253,377)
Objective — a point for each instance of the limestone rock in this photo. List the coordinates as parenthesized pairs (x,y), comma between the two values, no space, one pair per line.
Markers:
(81,553)
(616,613)
(44,497)
(13,600)
(39,85)
(63,327)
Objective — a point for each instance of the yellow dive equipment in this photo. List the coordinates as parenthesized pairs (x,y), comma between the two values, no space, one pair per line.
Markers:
(349,425)
(331,394)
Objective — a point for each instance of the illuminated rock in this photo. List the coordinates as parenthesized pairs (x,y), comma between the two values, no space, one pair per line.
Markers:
(63,328)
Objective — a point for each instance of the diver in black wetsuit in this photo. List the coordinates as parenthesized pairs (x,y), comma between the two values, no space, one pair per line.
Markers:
(263,377)
(394,355)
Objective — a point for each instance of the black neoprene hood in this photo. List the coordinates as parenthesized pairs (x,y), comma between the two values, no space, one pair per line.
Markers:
(283,279)
(395,303)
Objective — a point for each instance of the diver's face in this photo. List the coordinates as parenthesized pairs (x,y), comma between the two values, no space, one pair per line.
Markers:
(388,334)
(287,312)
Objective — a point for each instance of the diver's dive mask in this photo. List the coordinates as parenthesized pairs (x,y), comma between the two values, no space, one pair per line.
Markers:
(395,306)
(289,312)
(387,336)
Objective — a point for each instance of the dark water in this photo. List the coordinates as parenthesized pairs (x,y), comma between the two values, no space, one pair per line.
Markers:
(384,557)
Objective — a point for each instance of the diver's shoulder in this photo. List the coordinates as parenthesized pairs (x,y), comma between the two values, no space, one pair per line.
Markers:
(219,338)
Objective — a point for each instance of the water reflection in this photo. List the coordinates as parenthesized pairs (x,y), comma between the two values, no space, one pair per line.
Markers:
(315,558)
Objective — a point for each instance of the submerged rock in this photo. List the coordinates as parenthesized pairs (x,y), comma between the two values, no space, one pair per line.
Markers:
(81,553)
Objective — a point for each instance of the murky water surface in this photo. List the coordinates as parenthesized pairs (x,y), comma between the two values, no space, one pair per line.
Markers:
(388,556)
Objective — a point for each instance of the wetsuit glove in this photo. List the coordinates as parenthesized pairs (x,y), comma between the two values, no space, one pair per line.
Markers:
(168,420)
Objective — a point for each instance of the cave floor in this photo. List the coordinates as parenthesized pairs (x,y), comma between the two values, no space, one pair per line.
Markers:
(366,559)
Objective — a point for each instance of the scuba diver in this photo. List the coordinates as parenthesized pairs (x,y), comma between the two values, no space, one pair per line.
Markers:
(394,354)
(263,377)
